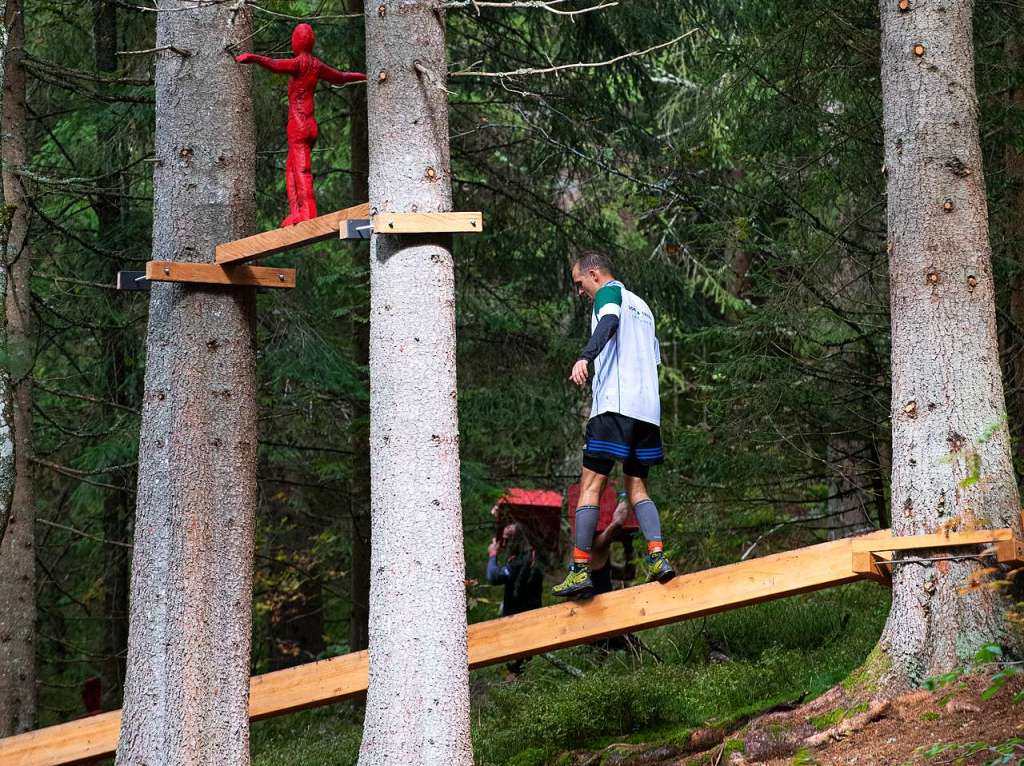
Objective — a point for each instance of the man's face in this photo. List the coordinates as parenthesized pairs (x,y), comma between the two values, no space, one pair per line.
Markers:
(508,533)
(586,282)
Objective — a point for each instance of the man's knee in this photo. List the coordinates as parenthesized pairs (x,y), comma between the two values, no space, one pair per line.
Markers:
(636,489)
(591,485)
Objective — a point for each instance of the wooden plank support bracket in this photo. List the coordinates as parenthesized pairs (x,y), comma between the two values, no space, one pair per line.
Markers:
(935,540)
(1010,552)
(428,223)
(869,556)
(874,566)
(213,274)
(356,228)
(132,280)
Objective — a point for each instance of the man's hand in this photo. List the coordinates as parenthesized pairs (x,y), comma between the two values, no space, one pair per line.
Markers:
(492,549)
(580,372)
(619,516)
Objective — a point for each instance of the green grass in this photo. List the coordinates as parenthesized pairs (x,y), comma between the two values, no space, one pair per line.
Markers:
(780,651)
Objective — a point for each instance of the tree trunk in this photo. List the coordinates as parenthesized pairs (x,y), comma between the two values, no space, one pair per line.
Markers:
(950,456)
(187,690)
(359,616)
(7,461)
(417,708)
(17,552)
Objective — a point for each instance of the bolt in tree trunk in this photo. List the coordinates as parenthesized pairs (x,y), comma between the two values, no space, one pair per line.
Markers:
(417,707)
(17,552)
(187,689)
(359,616)
(950,456)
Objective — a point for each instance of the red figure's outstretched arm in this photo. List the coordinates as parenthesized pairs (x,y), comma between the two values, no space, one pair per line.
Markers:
(337,77)
(281,66)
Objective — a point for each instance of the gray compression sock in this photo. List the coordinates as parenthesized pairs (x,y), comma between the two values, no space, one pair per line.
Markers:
(586,524)
(647,515)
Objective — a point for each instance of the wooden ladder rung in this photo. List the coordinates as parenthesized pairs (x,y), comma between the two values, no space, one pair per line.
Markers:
(213,274)
(428,223)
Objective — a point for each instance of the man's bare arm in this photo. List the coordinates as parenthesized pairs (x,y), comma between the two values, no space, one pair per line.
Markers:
(604,540)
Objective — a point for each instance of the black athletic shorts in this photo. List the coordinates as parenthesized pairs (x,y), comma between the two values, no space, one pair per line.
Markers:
(611,437)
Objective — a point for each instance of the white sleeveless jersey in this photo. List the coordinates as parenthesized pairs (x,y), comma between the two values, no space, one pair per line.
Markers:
(626,370)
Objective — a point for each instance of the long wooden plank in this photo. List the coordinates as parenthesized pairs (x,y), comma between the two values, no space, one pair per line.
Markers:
(553,627)
(277,240)
(428,223)
(215,274)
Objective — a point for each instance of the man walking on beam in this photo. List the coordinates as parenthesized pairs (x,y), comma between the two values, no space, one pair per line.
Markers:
(625,416)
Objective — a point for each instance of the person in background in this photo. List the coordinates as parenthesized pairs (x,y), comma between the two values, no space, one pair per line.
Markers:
(522,577)
(601,567)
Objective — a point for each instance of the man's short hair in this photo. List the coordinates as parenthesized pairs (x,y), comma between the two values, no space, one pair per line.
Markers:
(591,259)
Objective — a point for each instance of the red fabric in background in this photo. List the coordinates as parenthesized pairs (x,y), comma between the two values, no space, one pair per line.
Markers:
(539,511)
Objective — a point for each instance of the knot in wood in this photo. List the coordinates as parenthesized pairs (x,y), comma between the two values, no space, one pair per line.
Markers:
(933,277)
(947,205)
(957,167)
(904,6)
(431,174)
(382,10)
(382,75)
(972,282)
(919,50)
(910,409)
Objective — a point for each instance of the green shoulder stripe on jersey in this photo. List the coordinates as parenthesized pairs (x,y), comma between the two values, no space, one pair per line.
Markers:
(608,294)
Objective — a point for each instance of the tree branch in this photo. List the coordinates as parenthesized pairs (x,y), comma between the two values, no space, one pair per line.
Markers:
(580,65)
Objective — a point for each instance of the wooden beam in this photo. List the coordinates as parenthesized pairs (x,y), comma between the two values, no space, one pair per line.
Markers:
(278,240)
(522,635)
(1010,552)
(214,274)
(873,566)
(428,223)
(937,540)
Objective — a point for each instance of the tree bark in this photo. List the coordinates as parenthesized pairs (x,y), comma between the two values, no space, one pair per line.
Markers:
(359,616)
(417,708)
(17,551)
(7,462)
(187,690)
(951,457)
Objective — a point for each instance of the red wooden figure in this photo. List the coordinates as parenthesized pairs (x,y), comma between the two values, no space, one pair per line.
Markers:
(305,70)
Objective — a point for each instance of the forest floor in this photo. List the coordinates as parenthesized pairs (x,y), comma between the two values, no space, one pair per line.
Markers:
(953,725)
